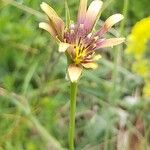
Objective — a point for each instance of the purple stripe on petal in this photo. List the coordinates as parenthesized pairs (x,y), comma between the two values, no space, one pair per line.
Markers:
(81,32)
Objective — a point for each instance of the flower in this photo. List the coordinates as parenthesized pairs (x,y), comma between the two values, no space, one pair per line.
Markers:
(137,47)
(78,40)
(146,90)
(141,68)
(138,39)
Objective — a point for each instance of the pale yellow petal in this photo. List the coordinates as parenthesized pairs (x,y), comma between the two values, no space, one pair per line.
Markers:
(48,10)
(97,57)
(48,28)
(63,46)
(112,20)
(74,72)
(90,65)
(55,20)
(111,42)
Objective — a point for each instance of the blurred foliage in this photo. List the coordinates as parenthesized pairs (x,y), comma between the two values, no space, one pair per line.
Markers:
(136,11)
(34,95)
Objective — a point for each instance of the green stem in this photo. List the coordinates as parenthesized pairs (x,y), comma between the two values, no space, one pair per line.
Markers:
(125,12)
(118,53)
(73,93)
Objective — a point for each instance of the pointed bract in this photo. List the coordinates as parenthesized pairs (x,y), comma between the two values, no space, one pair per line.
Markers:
(74,72)
(92,14)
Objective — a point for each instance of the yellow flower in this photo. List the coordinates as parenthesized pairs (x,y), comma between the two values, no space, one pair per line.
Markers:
(146,90)
(137,47)
(137,40)
(141,68)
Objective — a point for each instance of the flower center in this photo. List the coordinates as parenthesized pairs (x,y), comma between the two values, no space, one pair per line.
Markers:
(80,53)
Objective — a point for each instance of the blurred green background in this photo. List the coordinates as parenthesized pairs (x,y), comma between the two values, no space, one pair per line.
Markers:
(112,113)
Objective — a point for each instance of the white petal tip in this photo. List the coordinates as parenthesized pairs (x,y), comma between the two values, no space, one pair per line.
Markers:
(44,26)
(41,24)
(112,20)
(44,6)
(41,5)
(119,17)
(100,2)
(97,4)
